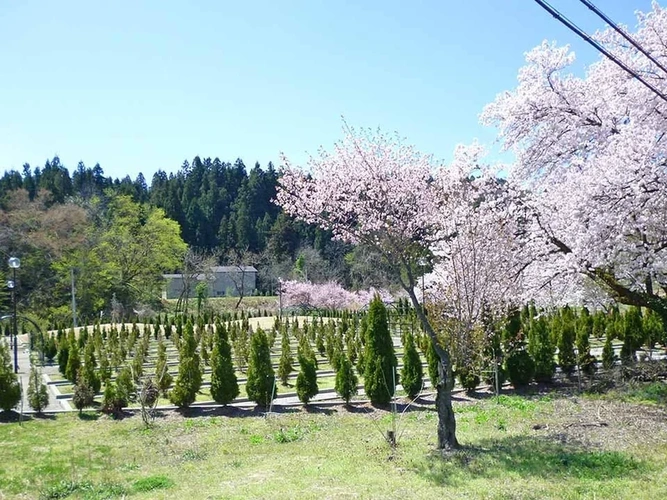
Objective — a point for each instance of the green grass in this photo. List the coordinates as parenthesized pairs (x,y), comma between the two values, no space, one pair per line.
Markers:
(327,453)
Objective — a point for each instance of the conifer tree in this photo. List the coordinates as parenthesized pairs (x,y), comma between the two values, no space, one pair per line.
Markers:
(585,360)
(633,335)
(566,358)
(89,364)
(541,349)
(306,380)
(162,375)
(346,380)
(84,394)
(10,390)
(379,358)
(608,356)
(63,355)
(599,325)
(285,365)
(653,328)
(413,373)
(73,362)
(38,394)
(224,385)
(261,378)
(189,377)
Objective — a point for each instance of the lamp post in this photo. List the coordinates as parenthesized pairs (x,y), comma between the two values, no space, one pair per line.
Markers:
(14,264)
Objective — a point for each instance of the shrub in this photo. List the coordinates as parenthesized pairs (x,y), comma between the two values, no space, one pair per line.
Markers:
(73,362)
(520,367)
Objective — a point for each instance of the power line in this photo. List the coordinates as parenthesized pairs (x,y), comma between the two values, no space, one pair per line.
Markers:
(617,28)
(573,27)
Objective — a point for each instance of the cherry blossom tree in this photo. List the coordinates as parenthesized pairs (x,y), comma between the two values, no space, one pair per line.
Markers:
(329,295)
(591,154)
(375,190)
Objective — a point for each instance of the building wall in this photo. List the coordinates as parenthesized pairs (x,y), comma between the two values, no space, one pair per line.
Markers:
(223,285)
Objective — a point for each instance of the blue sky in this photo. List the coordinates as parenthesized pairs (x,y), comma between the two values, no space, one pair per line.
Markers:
(142,86)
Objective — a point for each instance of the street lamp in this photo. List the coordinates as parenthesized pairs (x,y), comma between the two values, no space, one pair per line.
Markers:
(14,264)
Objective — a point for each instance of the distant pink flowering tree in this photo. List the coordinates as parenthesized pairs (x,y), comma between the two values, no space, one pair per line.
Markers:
(591,154)
(329,295)
(373,189)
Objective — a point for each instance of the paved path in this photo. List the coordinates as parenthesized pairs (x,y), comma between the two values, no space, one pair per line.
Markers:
(24,374)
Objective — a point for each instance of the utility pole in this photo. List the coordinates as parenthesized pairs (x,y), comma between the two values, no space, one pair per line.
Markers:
(73,298)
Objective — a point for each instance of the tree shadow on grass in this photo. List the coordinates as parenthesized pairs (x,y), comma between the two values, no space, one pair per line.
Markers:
(88,416)
(528,457)
(315,410)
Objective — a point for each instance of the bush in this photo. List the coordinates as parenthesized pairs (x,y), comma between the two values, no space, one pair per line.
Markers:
(118,394)
(520,367)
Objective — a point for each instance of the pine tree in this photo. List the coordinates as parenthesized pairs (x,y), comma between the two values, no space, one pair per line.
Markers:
(189,378)
(261,378)
(50,348)
(306,380)
(599,325)
(541,350)
(566,358)
(608,356)
(346,380)
(413,373)
(73,362)
(285,364)
(224,386)
(379,358)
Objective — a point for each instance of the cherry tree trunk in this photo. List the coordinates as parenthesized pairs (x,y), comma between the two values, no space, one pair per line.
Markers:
(443,399)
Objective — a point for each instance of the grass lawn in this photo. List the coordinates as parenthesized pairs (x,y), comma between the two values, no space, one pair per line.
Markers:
(518,447)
